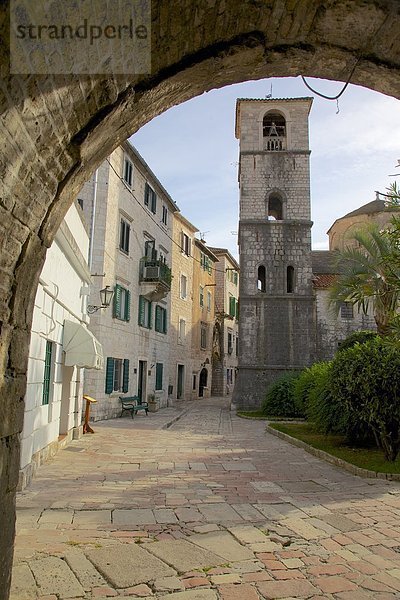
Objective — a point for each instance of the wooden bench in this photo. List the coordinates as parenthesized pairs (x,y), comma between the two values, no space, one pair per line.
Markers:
(133,404)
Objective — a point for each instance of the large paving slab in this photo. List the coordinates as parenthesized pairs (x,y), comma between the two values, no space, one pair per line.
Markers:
(127,566)
(223,544)
(238,513)
(53,576)
(185,556)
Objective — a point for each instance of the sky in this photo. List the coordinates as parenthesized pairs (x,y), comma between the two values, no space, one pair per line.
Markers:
(193,151)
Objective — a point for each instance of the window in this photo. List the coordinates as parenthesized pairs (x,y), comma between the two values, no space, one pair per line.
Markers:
(274,131)
(346,310)
(237,346)
(261,279)
(144,312)
(47,375)
(201,296)
(161,319)
(150,250)
(185,244)
(205,262)
(275,207)
(128,172)
(232,306)
(159,376)
(117,375)
(183,287)
(235,277)
(230,342)
(209,301)
(194,382)
(203,336)
(124,233)
(122,303)
(182,331)
(290,280)
(150,198)
(164,217)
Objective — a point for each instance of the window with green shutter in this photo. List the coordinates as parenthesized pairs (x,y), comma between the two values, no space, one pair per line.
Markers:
(109,375)
(159,376)
(145,310)
(232,306)
(122,303)
(150,198)
(237,309)
(125,384)
(160,319)
(48,361)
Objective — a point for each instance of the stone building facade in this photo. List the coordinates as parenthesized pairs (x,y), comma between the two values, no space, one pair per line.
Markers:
(131,216)
(182,299)
(203,315)
(226,327)
(277,305)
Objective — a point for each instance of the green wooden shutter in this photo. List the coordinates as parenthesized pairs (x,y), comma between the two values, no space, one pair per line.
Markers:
(127,305)
(165,321)
(232,306)
(158,324)
(154,203)
(47,372)
(117,302)
(150,315)
(146,193)
(237,309)
(159,376)
(125,384)
(141,310)
(109,375)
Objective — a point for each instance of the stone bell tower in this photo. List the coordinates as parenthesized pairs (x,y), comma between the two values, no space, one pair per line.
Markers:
(276,326)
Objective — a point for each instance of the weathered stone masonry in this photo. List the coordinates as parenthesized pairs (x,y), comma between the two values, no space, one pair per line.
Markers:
(55,131)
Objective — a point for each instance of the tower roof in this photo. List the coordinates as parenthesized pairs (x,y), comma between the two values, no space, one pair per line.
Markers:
(270,101)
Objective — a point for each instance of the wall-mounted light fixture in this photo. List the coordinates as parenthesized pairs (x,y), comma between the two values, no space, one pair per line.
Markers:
(106,295)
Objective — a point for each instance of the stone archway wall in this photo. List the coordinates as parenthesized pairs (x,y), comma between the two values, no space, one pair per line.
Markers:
(56,130)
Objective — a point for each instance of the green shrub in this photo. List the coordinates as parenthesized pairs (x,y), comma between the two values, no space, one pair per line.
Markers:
(279,400)
(365,382)
(305,383)
(357,337)
(321,409)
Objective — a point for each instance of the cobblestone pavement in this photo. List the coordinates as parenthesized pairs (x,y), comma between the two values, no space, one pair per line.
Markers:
(210,508)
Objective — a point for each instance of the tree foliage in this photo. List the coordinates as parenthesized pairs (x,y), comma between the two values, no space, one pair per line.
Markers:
(279,400)
(365,381)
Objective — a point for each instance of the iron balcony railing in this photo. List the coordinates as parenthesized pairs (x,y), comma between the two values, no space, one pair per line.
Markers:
(153,270)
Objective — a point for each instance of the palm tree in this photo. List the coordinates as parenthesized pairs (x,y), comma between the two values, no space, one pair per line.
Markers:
(369,276)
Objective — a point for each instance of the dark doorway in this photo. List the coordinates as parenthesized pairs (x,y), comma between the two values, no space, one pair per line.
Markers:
(180,382)
(142,380)
(202,381)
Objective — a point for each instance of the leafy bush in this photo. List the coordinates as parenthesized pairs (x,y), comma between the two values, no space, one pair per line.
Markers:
(365,382)
(357,337)
(279,400)
(321,409)
(304,384)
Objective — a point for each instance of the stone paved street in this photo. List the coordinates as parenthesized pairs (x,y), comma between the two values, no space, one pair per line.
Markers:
(210,508)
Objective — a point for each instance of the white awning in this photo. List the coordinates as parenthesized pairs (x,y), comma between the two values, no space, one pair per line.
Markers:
(81,347)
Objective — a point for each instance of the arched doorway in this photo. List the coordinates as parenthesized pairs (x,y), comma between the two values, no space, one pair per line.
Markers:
(203,378)
(56,130)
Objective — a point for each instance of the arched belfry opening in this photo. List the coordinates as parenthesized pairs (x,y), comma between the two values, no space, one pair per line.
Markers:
(274,131)
(275,207)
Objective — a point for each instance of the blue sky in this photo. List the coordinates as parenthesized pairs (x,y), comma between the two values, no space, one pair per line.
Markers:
(193,151)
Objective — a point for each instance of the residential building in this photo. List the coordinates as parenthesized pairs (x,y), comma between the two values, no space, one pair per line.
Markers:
(203,316)
(226,327)
(131,216)
(182,308)
(60,347)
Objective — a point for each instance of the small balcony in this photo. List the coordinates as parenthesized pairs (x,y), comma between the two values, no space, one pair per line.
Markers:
(154,278)
(274,143)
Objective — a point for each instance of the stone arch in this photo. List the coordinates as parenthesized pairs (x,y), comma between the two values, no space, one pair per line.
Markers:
(56,130)
(275,205)
(261,278)
(274,132)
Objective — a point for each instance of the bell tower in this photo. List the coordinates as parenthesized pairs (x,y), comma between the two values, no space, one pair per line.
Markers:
(277,320)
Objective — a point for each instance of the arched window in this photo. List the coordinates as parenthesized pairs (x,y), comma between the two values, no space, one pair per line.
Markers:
(275,207)
(261,279)
(290,280)
(274,131)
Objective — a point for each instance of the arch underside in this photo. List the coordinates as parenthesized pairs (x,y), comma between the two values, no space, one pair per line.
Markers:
(55,130)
